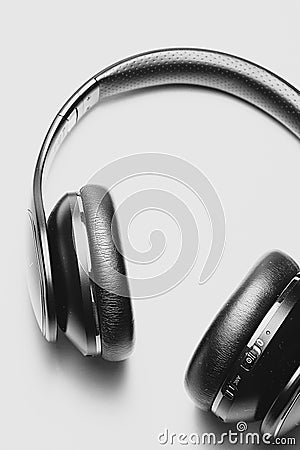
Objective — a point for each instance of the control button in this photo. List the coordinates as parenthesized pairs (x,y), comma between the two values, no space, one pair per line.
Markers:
(250,358)
(260,342)
(229,391)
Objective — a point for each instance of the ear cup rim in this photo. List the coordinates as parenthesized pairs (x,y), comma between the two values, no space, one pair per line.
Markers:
(73,302)
(235,324)
(115,311)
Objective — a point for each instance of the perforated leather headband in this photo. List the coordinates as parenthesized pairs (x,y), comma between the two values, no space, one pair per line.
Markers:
(216,70)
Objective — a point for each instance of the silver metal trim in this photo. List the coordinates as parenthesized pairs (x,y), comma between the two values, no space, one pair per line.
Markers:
(283,418)
(89,268)
(217,401)
(41,281)
(84,262)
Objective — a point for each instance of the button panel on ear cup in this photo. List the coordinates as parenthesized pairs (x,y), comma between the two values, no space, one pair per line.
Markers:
(251,358)
(247,363)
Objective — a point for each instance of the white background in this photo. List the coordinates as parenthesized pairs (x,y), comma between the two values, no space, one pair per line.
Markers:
(51,397)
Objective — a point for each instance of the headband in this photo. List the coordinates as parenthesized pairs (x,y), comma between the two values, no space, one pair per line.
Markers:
(204,68)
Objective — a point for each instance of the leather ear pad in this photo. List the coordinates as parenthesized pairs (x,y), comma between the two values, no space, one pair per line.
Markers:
(110,286)
(235,324)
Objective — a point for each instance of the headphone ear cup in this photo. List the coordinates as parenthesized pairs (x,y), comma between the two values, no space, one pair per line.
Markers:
(234,325)
(108,273)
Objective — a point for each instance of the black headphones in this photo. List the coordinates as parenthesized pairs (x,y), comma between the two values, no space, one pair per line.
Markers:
(247,366)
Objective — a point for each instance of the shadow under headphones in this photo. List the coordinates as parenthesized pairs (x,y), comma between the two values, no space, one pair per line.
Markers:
(247,366)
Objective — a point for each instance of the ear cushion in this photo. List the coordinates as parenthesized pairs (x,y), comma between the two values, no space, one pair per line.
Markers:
(110,286)
(235,324)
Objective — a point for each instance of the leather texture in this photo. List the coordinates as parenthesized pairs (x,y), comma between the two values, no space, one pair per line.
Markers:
(108,274)
(206,68)
(235,324)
